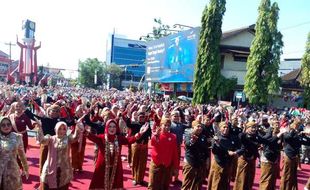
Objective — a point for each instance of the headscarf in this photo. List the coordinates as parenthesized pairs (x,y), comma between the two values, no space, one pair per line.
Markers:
(79,110)
(139,115)
(134,116)
(106,113)
(52,157)
(1,119)
(60,123)
(174,112)
(106,130)
(13,106)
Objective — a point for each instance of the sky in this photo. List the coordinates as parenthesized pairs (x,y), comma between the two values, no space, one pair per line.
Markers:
(73,30)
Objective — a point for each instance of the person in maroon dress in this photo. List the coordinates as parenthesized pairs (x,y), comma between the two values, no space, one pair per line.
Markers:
(20,122)
(108,172)
(78,147)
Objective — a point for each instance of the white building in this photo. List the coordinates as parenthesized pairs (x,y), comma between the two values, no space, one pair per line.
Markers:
(235,48)
(289,65)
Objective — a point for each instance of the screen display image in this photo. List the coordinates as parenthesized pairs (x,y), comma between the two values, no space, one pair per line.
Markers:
(172,59)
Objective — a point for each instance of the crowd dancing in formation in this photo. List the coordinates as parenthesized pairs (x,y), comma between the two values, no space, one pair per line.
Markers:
(222,144)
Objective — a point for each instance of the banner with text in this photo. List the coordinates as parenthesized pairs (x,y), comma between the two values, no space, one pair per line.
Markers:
(172,59)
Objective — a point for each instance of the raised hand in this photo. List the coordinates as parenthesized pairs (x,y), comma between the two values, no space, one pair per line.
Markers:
(231,153)
(144,128)
(81,118)
(80,126)
(216,114)
(216,140)
(194,138)
(26,174)
(38,122)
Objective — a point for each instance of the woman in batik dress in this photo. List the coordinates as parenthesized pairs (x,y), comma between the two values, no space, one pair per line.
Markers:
(11,146)
(108,172)
(57,170)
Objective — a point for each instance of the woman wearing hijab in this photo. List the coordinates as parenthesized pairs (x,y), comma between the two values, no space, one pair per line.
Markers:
(108,172)
(78,148)
(11,146)
(134,118)
(20,122)
(57,170)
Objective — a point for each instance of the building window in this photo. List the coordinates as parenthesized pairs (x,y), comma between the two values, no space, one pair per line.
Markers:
(240,58)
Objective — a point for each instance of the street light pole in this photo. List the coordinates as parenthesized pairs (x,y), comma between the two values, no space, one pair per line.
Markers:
(95,78)
(125,72)
(181,26)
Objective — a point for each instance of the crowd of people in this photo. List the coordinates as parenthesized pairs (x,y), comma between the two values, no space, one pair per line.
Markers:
(222,144)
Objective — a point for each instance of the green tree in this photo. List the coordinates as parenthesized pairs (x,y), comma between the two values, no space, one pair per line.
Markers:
(263,62)
(87,70)
(305,73)
(41,69)
(159,30)
(207,68)
(60,75)
(274,80)
(225,86)
(73,82)
(115,72)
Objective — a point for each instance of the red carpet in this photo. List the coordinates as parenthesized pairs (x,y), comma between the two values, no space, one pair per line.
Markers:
(81,180)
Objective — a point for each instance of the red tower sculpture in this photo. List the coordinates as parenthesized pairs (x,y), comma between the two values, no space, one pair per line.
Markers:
(28,67)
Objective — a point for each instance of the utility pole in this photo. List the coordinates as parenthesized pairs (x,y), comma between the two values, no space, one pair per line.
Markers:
(10,45)
(10,52)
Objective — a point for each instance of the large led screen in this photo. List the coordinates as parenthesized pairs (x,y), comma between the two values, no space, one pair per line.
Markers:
(172,59)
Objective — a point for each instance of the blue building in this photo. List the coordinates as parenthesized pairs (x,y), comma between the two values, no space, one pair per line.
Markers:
(129,55)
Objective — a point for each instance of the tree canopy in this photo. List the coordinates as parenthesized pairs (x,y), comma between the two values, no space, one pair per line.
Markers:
(87,70)
(305,73)
(263,62)
(159,30)
(207,68)
(90,67)
(115,72)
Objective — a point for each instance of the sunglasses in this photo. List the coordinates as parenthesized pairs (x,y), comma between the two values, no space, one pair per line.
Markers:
(6,125)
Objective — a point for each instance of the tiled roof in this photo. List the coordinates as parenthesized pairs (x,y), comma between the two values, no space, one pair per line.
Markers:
(234,32)
(234,49)
(292,76)
(2,54)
